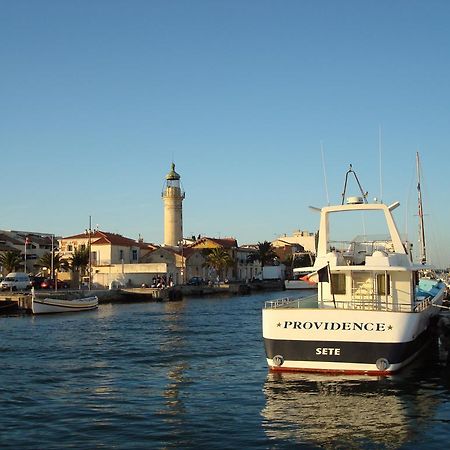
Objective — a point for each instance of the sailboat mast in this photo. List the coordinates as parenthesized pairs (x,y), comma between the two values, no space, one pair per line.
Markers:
(423,253)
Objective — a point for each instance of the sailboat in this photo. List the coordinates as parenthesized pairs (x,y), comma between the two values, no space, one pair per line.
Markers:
(372,314)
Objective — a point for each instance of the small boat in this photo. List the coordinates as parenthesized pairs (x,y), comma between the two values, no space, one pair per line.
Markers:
(7,306)
(373,313)
(301,276)
(301,283)
(58,305)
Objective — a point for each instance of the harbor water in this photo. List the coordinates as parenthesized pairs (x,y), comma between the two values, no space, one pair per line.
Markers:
(193,374)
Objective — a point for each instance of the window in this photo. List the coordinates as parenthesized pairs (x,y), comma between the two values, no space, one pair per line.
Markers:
(70,248)
(135,255)
(338,283)
(383,284)
(120,254)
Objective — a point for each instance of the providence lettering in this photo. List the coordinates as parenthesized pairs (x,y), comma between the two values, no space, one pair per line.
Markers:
(335,326)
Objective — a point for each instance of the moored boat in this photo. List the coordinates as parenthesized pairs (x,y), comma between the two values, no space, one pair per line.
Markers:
(300,283)
(8,306)
(58,305)
(301,276)
(372,312)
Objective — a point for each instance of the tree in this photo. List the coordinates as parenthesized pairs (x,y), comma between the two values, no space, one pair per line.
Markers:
(80,259)
(265,253)
(58,263)
(10,261)
(219,259)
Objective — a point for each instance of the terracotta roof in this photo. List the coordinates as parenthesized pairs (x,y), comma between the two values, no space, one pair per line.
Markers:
(222,242)
(104,238)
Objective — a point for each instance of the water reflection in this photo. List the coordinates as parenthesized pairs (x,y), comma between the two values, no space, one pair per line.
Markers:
(353,411)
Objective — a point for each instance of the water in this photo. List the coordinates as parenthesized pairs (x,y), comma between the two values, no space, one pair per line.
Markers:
(193,374)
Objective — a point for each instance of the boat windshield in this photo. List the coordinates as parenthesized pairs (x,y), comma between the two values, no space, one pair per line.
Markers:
(357,234)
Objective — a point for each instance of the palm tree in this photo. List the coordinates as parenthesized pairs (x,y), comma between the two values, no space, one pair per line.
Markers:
(78,263)
(80,259)
(219,259)
(265,253)
(10,261)
(58,263)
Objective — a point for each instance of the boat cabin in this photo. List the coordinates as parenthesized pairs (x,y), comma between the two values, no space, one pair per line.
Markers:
(372,271)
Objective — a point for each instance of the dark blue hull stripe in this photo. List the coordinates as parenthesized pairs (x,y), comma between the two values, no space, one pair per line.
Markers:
(348,352)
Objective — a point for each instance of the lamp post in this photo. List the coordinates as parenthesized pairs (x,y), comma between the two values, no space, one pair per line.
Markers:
(89,233)
(25,257)
(27,241)
(52,267)
(182,271)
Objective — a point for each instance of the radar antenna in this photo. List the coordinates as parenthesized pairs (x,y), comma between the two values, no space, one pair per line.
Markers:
(364,194)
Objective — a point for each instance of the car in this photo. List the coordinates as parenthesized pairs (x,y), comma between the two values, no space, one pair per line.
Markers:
(16,281)
(48,283)
(196,281)
(36,281)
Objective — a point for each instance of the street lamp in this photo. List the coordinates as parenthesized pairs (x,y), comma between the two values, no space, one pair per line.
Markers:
(27,242)
(182,271)
(89,233)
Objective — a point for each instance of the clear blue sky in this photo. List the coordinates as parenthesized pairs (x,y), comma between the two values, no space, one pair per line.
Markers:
(98,96)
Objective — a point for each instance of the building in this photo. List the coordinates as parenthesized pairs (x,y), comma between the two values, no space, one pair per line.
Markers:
(305,239)
(30,243)
(173,196)
(106,248)
(113,257)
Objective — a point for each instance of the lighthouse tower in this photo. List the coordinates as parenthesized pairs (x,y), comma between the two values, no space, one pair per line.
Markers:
(173,197)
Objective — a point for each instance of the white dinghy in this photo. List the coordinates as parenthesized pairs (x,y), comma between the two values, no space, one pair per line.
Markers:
(58,305)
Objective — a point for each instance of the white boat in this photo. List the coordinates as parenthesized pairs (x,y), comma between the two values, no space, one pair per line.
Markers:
(300,283)
(301,277)
(372,314)
(58,305)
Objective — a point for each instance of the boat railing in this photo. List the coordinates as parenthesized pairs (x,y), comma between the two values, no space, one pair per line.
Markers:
(370,303)
(423,304)
(287,302)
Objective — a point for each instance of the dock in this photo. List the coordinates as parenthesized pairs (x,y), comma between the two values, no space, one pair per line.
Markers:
(21,301)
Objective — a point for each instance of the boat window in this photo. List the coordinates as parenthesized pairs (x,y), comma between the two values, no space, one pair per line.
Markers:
(383,284)
(338,283)
(357,234)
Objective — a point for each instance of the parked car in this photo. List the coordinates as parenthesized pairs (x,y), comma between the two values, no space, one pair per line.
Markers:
(196,281)
(48,283)
(16,281)
(36,282)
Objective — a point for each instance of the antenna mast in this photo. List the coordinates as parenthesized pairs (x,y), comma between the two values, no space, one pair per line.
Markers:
(324,173)
(423,253)
(380,146)
(364,194)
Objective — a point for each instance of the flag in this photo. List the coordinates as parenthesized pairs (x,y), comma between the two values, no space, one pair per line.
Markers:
(319,276)
(312,278)
(323,274)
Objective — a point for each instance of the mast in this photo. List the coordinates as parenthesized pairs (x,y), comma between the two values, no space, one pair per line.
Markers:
(423,253)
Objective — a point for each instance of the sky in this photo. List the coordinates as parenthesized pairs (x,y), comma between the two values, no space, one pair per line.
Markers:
(262,105)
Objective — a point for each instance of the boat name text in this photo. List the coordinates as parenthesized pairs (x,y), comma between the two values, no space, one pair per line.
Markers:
(335,326)
(328,351)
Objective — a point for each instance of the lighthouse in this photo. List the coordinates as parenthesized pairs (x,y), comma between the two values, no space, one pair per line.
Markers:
(173,197)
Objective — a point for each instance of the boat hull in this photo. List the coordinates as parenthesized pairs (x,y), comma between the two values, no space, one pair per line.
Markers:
(50,305)
(344,341)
